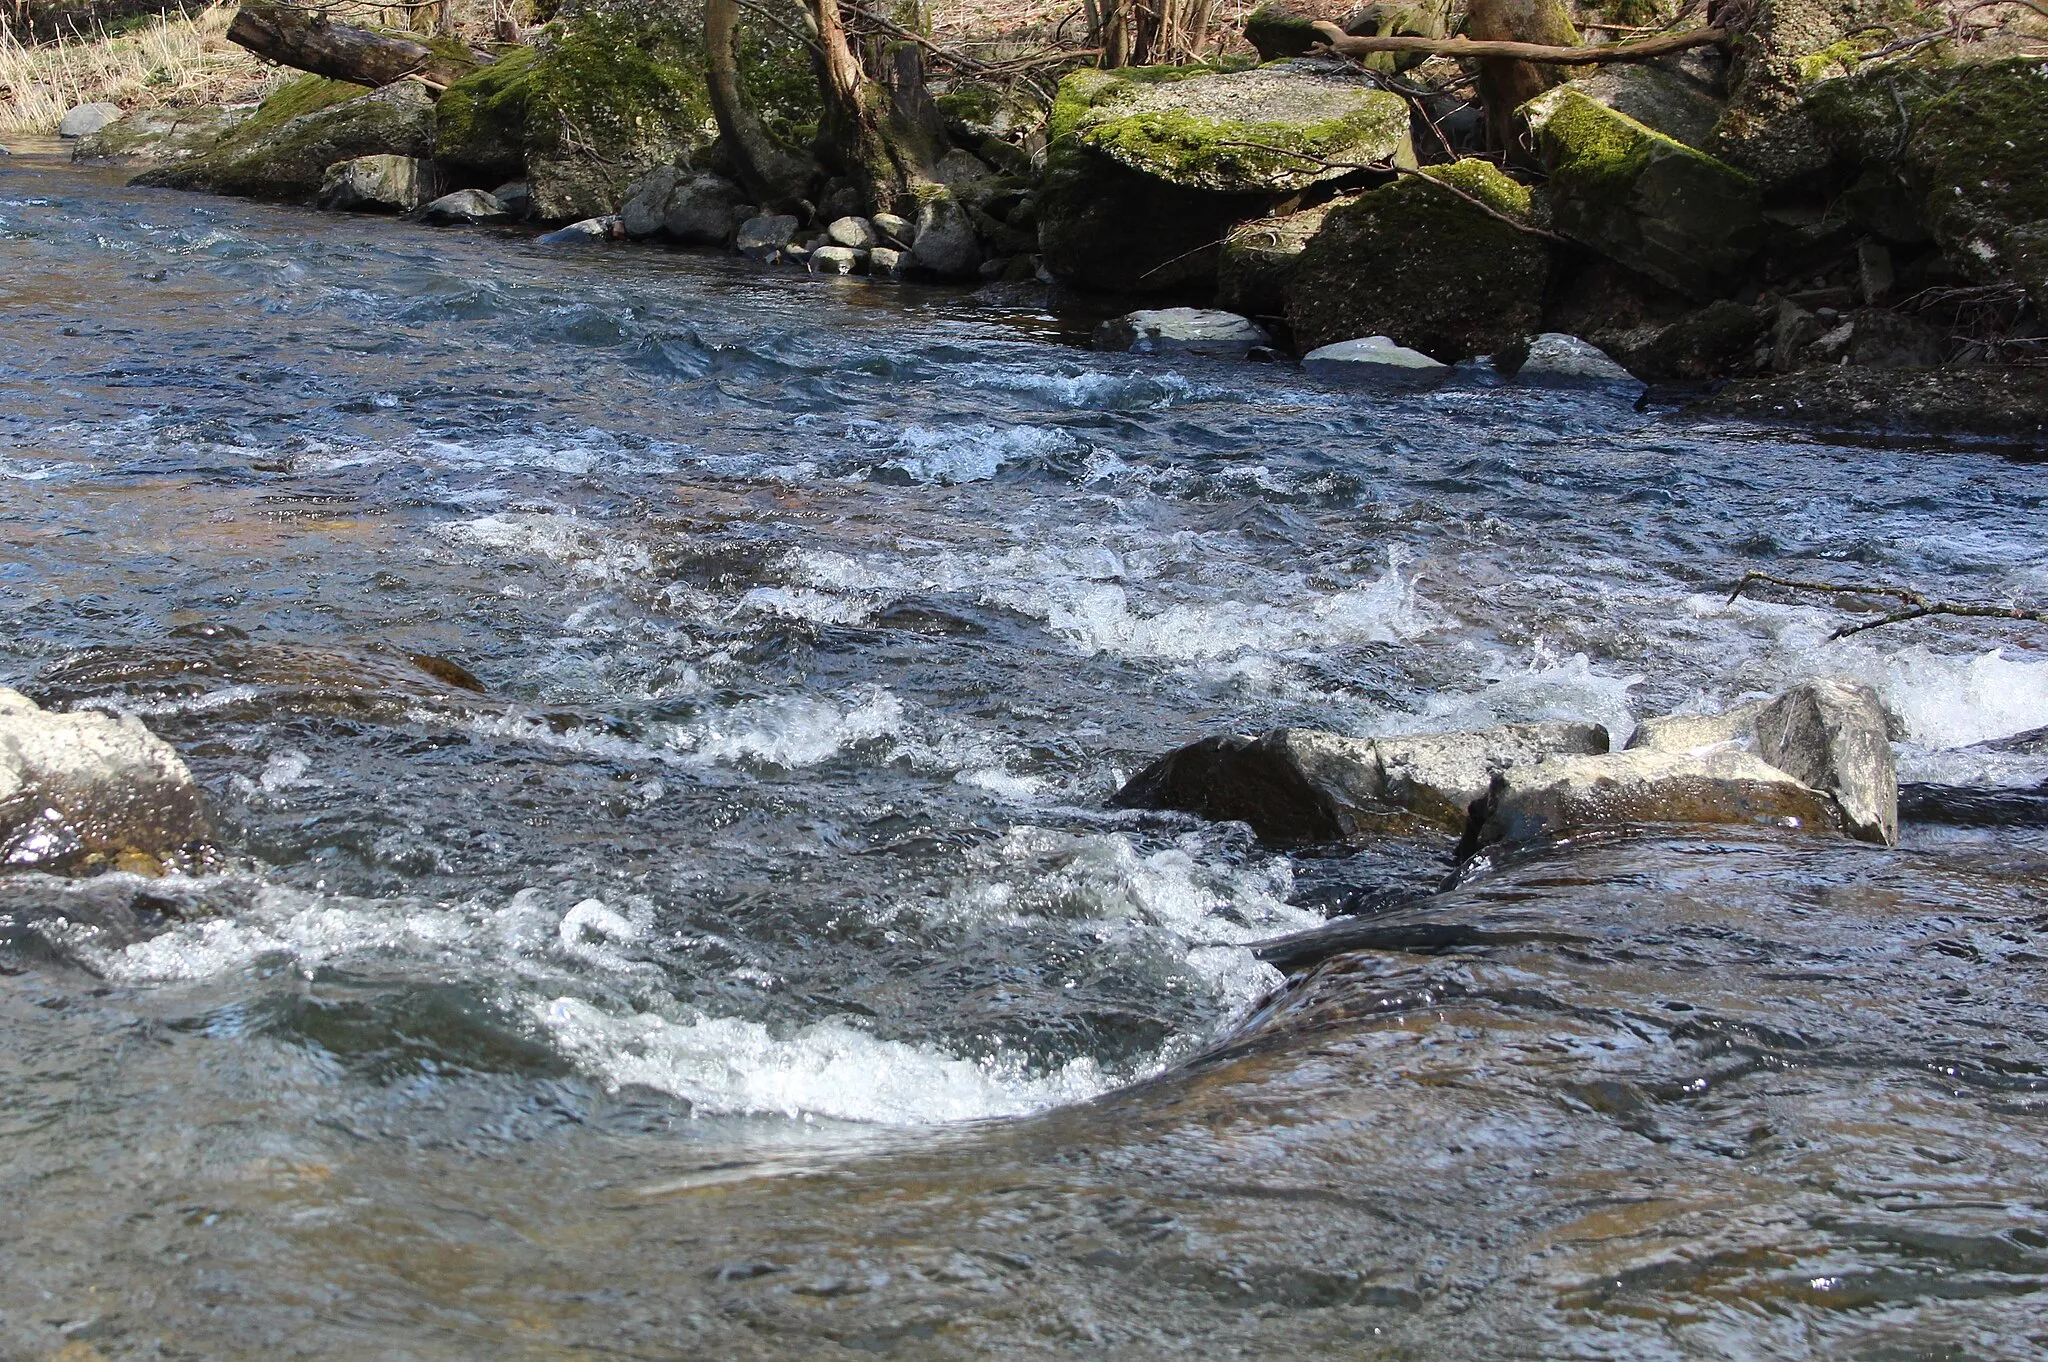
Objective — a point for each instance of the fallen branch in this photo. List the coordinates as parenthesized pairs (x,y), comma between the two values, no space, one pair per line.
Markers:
(308,40)
(1542,53)
(1917,605)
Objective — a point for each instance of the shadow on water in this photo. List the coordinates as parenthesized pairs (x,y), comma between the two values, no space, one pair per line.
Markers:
(661,716)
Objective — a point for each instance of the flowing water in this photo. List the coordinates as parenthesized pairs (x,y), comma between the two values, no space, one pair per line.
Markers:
(751,968)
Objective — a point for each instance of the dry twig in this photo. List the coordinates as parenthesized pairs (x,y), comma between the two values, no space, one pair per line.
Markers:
(1918,606)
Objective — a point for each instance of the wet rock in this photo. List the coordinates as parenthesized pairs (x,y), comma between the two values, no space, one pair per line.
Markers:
(765,237)
(1181,330)
(1711,342)
(1258,260)
(1833,736)
(885,263)
(1375,361)
(1567,795)
(588,232)
(464,207)
(703,211)
(1878,339)
(1643,200)
(379,184)
(516,197)
(158,136)
(855,233)
(1556,360)
(1300,787)
(645,210)
(1696,733)
(837,260)
(1417,262)
(1952,399)
(283,150)
(900,230)
(84,120)
(81,793)
(1146,173)
(945,242)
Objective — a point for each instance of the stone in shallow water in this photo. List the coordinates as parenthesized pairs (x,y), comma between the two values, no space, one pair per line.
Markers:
(379,184)
(765,237)
(464,206)
(586,232)
(1375,360)
(702,211)
(855,233)
(1300,786)
(1721,786)
(87,119)
(1557,360)
(897,229)
(1187,330)
(837,260)
(90,791)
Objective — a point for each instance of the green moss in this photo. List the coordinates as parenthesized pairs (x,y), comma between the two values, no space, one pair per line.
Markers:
(1187,148)
(1484,181)
(305,95)
(1969,140)
(481,119)
(606,80)
(781,84)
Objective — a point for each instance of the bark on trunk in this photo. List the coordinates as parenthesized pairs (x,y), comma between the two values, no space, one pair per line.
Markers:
(308,40)
(1507,83)
(1154,32)
(1594,55)
(884,137)
(774,176)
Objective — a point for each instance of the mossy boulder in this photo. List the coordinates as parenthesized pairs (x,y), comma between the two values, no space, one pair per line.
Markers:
(1277,31)
(593,105)
(1149,167)
(1785,48)
(283,150)
(1417,262)
(1640,198)
(1968,142)
(158,135)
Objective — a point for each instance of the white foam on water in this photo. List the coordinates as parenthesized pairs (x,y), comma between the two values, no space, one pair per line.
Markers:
(974,453)
(1088,390)
(724,1066)
(793,731)
(1546,687)
(594,552)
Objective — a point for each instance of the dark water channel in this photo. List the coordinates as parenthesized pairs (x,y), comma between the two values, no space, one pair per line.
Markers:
(751,969)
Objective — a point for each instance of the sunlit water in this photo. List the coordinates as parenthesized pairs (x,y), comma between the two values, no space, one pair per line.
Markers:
(675,997)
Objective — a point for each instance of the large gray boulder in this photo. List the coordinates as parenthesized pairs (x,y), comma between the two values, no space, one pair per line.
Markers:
(1666,101)
(702,211)
(645,210)
(1300,786)
(1147,169)
(1716,787)
(1830,734)
(81,793)
(945,242)
(766,236)
(465,207)
(379,184)
(86,119)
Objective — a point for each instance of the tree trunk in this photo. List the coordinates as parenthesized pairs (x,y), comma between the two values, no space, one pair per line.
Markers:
(308,41)
(1507,83)
(884,137)
(1154,32)
(774,176)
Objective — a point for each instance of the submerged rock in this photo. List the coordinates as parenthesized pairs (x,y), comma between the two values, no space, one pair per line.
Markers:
(588,232)
(1182,330)
(84,120)
(379,184)
(1299,786)
(1567,795)
(1644,200)
(1556,360)
(1417,262)
(81,793)
(283,150)
(1148,167)
(1377,362)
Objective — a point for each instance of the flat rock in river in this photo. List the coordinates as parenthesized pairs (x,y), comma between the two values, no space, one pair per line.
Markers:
(1300,786)
(1186,330)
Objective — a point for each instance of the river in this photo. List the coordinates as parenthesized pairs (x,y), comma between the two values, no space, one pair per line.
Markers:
(753,967)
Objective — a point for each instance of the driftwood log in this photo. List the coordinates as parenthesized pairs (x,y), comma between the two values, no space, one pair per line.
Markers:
(307,40)
(1542,53)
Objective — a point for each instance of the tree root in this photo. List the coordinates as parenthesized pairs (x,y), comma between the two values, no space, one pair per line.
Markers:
(1918,606)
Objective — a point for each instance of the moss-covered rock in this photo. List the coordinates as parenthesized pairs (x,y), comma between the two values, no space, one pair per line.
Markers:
(1967,141)
(480,130)
(1271,129)
(1277,31)
(1423,265)
(1258,260)
(1787,46)
(157,135)
(1149,167)
(283,150)
(1639,198)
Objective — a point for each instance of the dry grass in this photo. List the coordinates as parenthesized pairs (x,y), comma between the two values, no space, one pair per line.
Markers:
(180,62)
